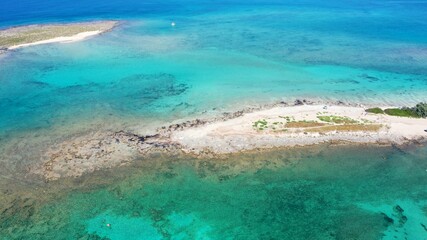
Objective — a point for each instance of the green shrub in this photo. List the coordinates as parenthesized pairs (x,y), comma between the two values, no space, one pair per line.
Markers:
(401,112)
(421,110)
(375,110)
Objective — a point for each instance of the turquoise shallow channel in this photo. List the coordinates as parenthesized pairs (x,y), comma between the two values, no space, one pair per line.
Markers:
(221,56)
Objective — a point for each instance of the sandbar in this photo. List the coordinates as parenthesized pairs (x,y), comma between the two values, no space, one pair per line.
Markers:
(25,36)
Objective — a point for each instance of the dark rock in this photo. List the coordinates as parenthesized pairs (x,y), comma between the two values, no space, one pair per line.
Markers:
(298,102)
(371,78)
(157,214)
(398,209)
(388,219)
(403,219)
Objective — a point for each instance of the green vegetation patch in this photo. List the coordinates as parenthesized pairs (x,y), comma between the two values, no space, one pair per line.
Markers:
(337,119)
(419,111)
(287,118)
(260,124)
(375,110)
(366,121)
(401,112)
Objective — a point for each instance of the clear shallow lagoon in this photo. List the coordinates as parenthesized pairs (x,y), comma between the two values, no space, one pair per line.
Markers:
(220,56)
(317,193)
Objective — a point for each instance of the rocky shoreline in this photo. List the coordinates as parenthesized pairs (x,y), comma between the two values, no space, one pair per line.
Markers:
(95,151)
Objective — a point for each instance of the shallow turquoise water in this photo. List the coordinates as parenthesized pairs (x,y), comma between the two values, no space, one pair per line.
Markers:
(220,56)
(219,60)
(310,193)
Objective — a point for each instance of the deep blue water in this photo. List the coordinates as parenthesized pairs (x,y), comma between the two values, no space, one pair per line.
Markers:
(404,20)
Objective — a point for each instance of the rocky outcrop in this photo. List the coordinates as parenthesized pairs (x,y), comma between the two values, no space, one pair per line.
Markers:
(95,151)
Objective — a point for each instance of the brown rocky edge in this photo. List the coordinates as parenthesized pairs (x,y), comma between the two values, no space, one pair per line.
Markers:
(95,151)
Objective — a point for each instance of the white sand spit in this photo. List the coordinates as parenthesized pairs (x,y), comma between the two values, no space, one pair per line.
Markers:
(74,38)
(240,134)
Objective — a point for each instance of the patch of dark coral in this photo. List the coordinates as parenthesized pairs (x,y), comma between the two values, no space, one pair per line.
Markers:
(15,211)
(153,86)
(388,220)
(147,143)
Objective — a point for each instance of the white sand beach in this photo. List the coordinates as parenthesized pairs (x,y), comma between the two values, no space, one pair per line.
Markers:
(239,134)
(74,38)
(25,36)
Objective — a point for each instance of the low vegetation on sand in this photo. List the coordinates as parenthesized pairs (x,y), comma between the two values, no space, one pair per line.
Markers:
(419,111)
(336,119)
(375,110)
(401,112)
(327,123)
(260,124)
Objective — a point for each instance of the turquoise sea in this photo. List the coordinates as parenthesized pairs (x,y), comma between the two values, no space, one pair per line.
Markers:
(319,193)
(221,56)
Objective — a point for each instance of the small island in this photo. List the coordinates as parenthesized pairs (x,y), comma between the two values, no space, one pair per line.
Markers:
(17,37)
(281,125)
